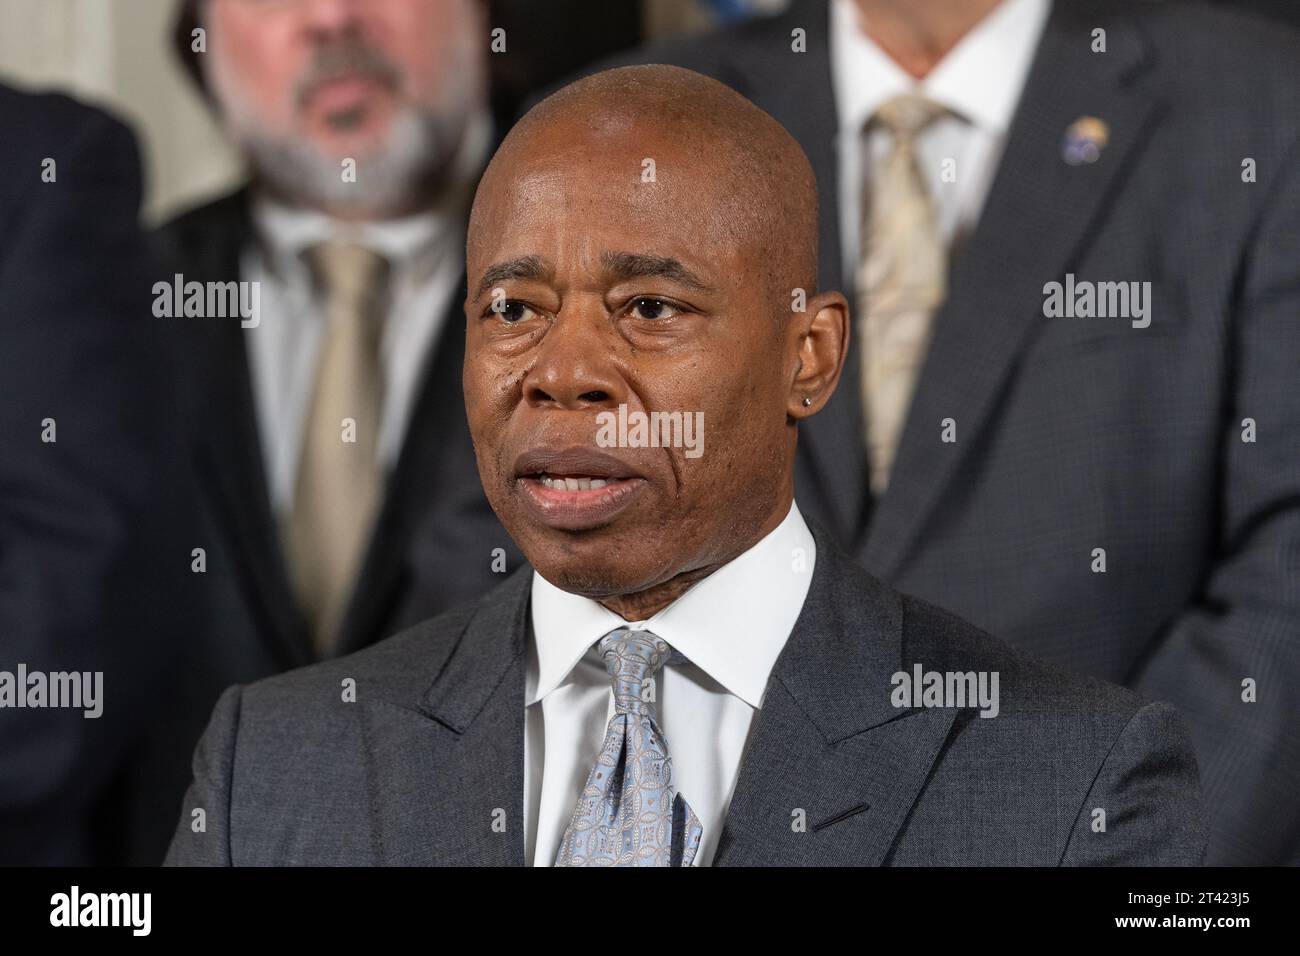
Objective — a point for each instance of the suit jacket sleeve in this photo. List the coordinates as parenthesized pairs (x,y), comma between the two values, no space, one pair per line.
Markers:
(1246,623)
(1146,795)
(204,839)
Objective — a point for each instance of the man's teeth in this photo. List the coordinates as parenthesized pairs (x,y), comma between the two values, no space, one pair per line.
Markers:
(573,484)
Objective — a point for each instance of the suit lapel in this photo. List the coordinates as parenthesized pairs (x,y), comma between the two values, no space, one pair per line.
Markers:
(1038,217)
(436,433)
(445,754)
(797,90)
(230,468)
(229,451)
(446,758)
(828,749)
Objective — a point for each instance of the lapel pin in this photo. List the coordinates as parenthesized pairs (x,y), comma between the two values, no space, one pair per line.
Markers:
(1084,140)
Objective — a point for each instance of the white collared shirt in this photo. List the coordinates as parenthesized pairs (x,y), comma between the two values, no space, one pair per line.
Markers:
(979,81)
(731,626)
(426,254)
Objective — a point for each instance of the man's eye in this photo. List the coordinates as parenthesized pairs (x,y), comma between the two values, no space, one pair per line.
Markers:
(645,308)
(512,311)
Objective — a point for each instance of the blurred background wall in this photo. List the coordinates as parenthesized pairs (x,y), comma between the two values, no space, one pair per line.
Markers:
(119,54)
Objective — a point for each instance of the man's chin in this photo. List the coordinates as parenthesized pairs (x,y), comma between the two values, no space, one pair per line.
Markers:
(592,580)
(590,563)
(333,146)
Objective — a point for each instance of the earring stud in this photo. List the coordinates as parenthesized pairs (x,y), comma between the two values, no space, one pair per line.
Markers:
(807,402)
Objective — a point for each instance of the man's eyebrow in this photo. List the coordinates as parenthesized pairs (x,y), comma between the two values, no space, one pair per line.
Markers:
(631,265)
(524,267)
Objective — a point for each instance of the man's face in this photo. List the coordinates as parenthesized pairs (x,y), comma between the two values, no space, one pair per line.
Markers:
(591,289)
(316,81)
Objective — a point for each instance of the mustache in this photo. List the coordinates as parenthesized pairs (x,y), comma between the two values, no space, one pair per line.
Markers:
(353,59)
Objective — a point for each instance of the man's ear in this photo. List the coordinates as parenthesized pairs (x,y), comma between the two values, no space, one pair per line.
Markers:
(820,334)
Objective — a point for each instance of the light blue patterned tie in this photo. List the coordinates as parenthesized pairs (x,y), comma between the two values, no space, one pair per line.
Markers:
(627,813)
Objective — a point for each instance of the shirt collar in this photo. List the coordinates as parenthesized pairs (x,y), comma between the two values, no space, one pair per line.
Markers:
(732,625)
(980,79)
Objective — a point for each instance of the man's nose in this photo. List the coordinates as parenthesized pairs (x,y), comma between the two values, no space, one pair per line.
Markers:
(573,368)
(331,17)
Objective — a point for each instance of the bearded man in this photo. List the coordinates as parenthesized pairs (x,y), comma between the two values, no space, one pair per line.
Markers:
(334,464)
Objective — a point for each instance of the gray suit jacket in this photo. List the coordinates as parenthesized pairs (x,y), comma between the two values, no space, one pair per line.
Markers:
(1074,434)
(417,769)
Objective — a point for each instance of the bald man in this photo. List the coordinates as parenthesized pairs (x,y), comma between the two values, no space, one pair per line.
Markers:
(688,673)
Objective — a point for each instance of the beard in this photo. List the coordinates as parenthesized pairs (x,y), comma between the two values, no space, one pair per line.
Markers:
(403,170)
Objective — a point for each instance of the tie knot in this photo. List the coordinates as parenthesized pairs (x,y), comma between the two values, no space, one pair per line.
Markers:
(908,114)
(632,657)
(349,273)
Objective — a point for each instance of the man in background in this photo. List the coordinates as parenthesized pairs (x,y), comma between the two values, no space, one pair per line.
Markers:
(93,496)
(1111,482)
(337,475)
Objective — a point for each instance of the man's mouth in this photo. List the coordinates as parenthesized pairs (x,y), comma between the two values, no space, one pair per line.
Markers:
(344,94)
(575,489)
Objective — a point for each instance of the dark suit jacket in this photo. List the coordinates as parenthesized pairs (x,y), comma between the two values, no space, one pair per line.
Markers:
(416,769)
(93,537)
(1077,434)
(432,546)
(1285,12)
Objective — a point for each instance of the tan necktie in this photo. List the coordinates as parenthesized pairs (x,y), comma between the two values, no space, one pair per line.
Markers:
(901,282)
(339,483)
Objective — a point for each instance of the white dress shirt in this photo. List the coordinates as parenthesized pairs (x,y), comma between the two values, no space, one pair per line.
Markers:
(731,626)
(426,253)
(979,81)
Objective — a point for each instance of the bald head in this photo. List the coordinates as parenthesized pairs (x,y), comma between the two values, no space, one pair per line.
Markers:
(748,177)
